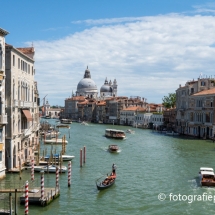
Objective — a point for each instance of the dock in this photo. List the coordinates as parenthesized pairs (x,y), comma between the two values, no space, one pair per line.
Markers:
(54,141)
(34,196)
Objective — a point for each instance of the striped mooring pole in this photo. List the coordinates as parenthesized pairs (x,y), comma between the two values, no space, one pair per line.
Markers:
(57,177)
(69,173)
(32,170)
(26,197)
(42,185)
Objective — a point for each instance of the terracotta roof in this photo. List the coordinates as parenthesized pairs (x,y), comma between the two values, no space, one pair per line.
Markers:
(205,92)
(83,103)
(134,108)
(28,50)
(77,98)
(101,103)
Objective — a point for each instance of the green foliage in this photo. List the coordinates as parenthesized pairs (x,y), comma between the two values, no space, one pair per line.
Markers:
(169,101)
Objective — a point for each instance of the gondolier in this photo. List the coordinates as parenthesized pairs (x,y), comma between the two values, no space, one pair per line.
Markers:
(113,168)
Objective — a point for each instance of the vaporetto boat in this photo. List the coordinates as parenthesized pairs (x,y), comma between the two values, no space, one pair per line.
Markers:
(113,133)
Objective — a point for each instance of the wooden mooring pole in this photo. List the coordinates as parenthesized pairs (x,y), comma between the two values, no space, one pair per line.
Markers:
(80,157)
(84,154)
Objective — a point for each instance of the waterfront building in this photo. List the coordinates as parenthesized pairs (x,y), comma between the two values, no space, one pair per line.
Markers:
(108,89)
(22,106)
(100,111)
(3,115)
(48,111)
(86,110)
(201,114)
(132,115)
(169,119)
(71,106)
(187,108)
(87,87)
(157,120)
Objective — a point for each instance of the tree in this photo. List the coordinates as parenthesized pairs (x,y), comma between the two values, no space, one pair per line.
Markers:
(169,101)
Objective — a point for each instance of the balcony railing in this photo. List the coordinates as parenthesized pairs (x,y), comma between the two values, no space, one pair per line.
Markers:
(26,132)
(3,119)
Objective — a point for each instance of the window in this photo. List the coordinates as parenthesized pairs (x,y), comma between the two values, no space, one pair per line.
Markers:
(13,60)
(0,155)
(1,135)
(18,63)
(203,83)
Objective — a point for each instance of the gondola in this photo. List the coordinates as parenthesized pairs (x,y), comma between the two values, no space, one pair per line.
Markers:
(107,182)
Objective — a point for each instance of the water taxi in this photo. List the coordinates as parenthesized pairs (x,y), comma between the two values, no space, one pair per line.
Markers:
(113,148)
(113,133)
(207,177)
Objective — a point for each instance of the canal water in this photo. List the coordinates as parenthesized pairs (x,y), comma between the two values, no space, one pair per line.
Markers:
(148,164)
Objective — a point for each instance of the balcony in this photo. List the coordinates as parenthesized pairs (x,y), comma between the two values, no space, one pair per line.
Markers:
(3,119)
(26,132)
(25,104)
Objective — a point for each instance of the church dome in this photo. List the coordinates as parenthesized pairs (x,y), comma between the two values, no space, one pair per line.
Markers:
(87,83)
(106,88)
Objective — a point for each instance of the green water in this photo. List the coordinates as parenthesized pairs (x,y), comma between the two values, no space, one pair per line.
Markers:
(148,164)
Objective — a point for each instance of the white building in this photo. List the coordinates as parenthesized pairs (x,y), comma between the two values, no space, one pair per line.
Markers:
(22,100)
(157,120)
(3,116)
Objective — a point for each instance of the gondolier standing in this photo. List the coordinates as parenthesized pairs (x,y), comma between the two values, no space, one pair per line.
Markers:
(113,168)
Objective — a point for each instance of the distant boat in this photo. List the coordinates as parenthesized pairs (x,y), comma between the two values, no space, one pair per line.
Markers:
(113,133)
(130,131)
(63,126)
(113,148)
(207,175)
(84,123)
(66,121)
(54,141)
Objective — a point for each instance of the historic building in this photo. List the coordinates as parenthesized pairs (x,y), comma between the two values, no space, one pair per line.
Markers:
(22,106)
(86,86)
(108,89)
(194,107)
(3,115)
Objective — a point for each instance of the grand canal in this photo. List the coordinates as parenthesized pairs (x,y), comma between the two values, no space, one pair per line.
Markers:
(149,163)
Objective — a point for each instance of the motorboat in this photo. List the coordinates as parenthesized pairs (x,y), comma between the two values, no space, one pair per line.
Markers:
(84,123)
(113,148)
(66,121)
(130,131)
(63,126)
(52,168)
(113,133)
(207,177)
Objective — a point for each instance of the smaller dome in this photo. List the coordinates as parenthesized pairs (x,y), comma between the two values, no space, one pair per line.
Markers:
(106,88)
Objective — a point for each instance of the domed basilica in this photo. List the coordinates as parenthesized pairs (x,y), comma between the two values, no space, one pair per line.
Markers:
(87,87)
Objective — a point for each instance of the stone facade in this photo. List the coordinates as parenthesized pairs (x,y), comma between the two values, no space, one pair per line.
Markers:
(194,107)
(3,115)
(22,100)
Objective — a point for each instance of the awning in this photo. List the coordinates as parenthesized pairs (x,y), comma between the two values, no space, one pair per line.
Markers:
(27,115)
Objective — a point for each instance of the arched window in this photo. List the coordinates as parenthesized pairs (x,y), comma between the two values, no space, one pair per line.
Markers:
(1,54)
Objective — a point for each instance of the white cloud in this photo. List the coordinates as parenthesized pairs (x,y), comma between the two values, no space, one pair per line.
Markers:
(149,56)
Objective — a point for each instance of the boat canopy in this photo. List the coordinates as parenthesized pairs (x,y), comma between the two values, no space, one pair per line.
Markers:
(207,169)
(114,130)
(207,173)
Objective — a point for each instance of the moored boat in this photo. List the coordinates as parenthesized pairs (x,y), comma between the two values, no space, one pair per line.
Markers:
(52,169)
(113,148)
(207,176)
(66,121)
(57,156)
(113,133)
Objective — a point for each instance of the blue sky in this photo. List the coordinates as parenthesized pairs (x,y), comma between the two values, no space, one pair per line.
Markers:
(149,46)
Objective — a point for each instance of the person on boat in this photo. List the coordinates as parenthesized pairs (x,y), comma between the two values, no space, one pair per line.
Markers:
(113,169)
